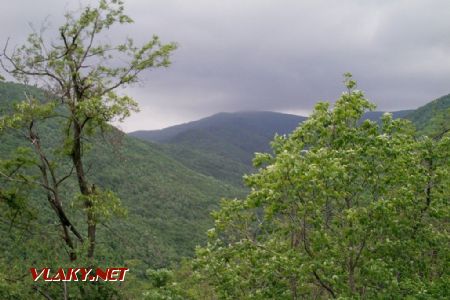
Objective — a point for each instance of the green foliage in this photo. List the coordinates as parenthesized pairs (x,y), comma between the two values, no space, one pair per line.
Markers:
(182,282)
(342,209)
(81,75)
(222,145)
(168,205)
(105,205)
(159,278)
(27,111)
(153,181)
(433,118)
(163,286)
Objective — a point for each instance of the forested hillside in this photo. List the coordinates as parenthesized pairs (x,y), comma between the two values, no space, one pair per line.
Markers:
(433,116)
(168,201)
(261,123)
(168,204)
(341,209)
(223,145)
(346,203)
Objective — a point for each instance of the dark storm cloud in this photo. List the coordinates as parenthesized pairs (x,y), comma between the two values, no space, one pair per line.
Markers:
(275,55)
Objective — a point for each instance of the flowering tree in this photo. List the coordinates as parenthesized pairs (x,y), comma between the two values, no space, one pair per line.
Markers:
(342,209)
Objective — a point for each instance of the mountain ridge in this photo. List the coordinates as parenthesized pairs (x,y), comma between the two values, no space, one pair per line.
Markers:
(157,135)
(171,187)
(164,134)
(168,203)
(228,140)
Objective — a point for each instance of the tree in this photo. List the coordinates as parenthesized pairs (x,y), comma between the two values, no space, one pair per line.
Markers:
(81,75)
(342,209)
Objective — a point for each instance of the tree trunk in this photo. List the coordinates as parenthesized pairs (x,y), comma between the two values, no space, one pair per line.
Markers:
(83,185)
(53,194)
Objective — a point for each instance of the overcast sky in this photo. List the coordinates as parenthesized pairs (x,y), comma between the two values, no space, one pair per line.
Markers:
(276,55)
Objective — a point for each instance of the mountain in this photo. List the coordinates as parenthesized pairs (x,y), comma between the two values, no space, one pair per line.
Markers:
(168,203)
(222,145)
(263,123)
(168,187)
(433,117)
(233,135)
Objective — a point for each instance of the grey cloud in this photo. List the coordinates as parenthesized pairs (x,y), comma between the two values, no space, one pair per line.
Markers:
(276,55)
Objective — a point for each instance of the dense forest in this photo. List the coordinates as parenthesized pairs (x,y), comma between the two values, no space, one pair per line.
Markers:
(349,203)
